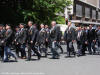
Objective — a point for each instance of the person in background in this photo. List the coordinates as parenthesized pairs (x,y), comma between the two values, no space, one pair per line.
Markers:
(22,40)
(81,39)
(2,36)
(59,36)
(32,39)
(42,40)
(16,39)
(53,40)
(91,37)
(47,36)
(70,37)
(98,37)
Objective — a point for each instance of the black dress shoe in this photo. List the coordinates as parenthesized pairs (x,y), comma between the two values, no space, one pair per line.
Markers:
(16,60)
(39,57)
(54,58)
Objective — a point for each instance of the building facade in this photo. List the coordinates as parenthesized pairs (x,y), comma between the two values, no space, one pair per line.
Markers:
(85,12)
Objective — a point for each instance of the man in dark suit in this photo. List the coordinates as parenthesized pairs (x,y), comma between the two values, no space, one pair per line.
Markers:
(98,37)
(47,36)
(22,40)
(42,40)
(91,37)
(69,37)
(84,41)
(8,42)
(16,39)
(32,37)
(81,39)
(2,35)
(53,40)
(59,36)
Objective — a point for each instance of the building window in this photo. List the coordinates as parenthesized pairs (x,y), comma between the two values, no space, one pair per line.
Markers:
(87,12)
(78,10)
(93,14)
(99,15)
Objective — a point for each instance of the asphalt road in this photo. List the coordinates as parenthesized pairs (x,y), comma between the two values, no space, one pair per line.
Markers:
(86,65)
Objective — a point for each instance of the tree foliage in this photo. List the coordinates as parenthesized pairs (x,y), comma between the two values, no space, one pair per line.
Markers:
(42,11)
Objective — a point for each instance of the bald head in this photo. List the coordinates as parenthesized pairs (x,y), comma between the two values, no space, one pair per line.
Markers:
(30,23)
(53,23)
(42,25)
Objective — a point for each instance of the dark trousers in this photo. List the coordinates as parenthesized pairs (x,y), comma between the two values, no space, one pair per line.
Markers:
(47,45)
(54,50)
(1,52)
(98,43)
(22,49)
(99,46)
(70,48)
(79,47)
(91,45)
(43,49)
(84,48)
(32,47)
(17,49)
(59,46)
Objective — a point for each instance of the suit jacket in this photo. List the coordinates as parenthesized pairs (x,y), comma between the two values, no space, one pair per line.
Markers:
(69,34)
(32,34)
(53,34)
(22,36)
(16,37)
(2,36)
(47,33)
(82,38)
(91,35)
(42,36)
(59,36)
(98,35)
(8,37)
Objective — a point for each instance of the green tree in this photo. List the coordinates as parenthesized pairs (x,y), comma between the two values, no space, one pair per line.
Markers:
(42,11)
